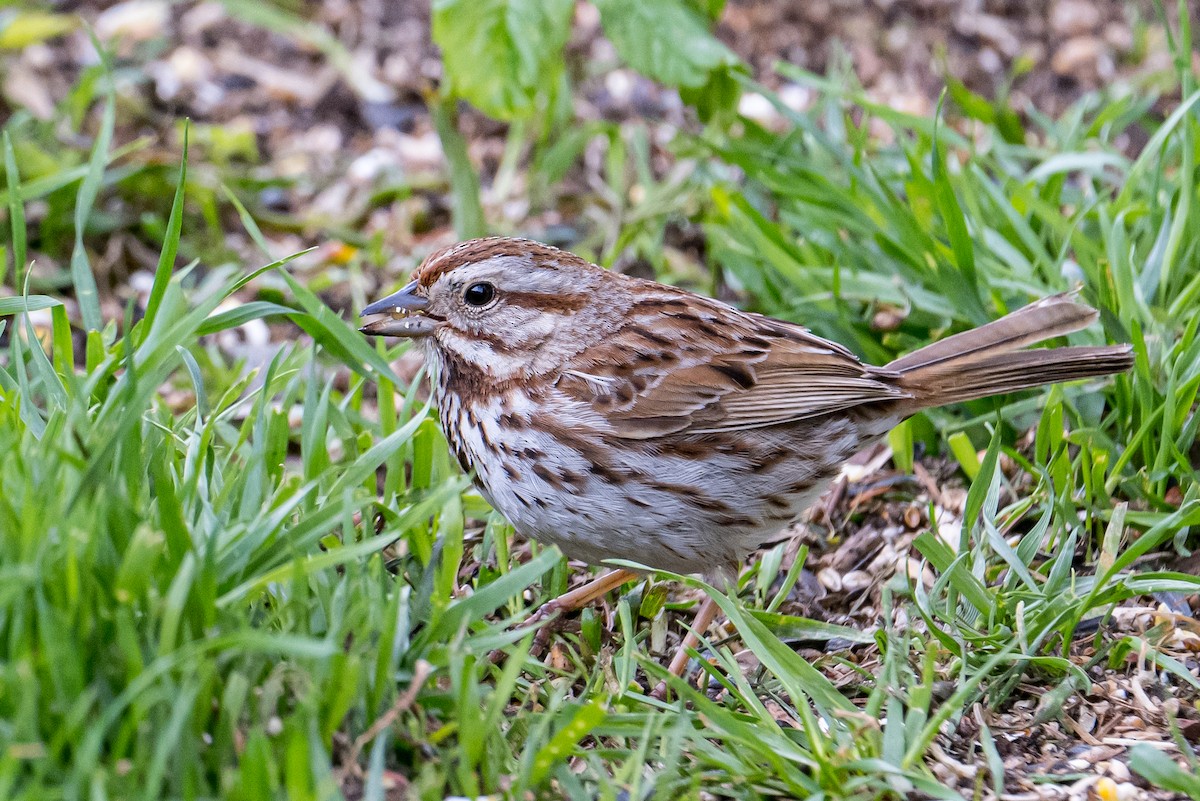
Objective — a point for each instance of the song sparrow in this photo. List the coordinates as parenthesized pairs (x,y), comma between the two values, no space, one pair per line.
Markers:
(620,418)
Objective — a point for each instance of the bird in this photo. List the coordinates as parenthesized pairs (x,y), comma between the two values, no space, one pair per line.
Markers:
(620,418)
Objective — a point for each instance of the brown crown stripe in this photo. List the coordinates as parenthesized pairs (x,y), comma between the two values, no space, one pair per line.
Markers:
(446,259)
(443,261)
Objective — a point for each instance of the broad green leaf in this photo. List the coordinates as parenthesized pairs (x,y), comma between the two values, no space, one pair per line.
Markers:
(664,39)
(709,8)
(497,53)
(717,95)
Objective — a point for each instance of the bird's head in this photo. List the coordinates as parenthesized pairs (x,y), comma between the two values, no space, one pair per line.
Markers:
(503,306)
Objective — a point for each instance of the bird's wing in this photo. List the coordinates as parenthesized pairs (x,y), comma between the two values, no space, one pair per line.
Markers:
(702,367)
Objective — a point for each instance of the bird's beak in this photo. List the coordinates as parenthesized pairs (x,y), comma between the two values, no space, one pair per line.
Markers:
(405,310)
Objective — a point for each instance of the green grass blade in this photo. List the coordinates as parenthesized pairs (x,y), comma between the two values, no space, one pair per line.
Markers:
(86,293)
(170,246)
(16,216)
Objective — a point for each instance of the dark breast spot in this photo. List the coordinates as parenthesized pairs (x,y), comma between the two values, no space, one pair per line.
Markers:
(691,495)
(709,504)
(690,449)
(560,478)
(576,481)
(463,458)
(607,474)
(765,461)
(798,487)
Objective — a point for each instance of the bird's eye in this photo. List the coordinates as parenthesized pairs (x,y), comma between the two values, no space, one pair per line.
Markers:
(479,294)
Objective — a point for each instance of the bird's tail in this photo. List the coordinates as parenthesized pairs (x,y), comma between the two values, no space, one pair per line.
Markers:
(990,360)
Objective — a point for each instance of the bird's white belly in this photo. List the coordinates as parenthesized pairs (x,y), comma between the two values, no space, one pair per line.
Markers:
(640,500)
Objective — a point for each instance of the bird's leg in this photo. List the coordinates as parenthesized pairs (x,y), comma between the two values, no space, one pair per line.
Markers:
(575,599)
(704,618)
(568,601)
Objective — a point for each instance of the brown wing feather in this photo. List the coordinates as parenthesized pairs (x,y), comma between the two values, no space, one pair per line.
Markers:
(725,371)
